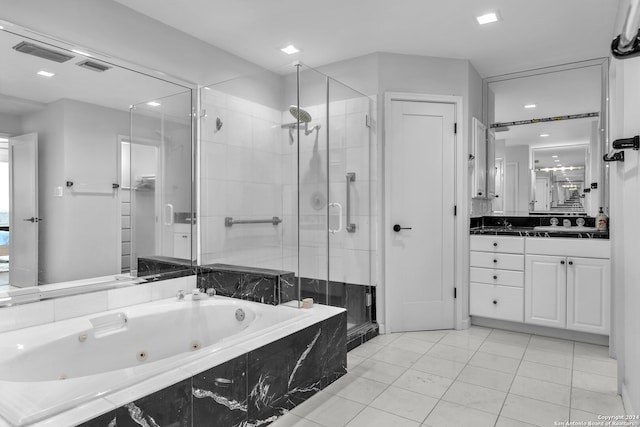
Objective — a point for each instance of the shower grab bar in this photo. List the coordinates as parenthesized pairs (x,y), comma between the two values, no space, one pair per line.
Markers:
(229,221)
(168,214)
(351,177)
(339,229)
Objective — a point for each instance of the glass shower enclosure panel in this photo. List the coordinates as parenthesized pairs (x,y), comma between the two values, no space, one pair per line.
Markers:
(351,186)
(157,182)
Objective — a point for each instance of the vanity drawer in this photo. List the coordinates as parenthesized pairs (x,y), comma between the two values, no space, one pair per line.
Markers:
(496,302)
(496,276)
(496,260)
(497,244)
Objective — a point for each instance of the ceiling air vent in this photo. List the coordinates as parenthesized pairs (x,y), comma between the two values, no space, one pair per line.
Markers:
(42,52)
(93,66)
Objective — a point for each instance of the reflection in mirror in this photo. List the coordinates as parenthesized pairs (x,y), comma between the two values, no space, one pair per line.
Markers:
(71,154)
(559,174)
(549,137)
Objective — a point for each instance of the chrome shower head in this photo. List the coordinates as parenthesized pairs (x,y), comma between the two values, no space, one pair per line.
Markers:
(300,114)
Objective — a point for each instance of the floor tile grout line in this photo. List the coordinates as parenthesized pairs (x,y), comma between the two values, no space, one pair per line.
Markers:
(573,363)
(456,379)
(513,380)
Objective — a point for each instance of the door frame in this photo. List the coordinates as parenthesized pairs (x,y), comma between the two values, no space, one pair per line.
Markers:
(461,220)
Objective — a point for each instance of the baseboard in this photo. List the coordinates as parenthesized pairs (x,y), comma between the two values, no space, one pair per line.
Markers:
(381,328)
(466,323)
(628,407)
(544,331)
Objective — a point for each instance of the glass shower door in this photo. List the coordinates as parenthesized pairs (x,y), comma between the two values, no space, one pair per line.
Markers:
(350,191)
(157,203)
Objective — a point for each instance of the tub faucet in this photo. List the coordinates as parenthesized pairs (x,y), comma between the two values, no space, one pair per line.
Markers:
(180,294)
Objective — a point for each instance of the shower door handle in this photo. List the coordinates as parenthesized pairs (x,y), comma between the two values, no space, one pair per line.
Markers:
(168,212)
(351,177)
(339,229)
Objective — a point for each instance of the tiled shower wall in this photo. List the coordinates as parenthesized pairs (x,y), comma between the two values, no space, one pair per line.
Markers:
(241,177)
(249,171)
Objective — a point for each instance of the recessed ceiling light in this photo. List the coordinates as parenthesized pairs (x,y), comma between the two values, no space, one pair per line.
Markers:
(487,18)
(530,105)
(554,156)
(544,135)
(559,165)
(556,160)
(46,74)
(290,50)
(153,104)
(79,52)
(4,139)
(1,27)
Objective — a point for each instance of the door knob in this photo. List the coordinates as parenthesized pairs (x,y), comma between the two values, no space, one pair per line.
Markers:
(33,219)
(397,228)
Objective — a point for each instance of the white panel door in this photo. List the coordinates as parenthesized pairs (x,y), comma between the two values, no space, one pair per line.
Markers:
(588,284)
(545,290)
(23,210)
(420,256)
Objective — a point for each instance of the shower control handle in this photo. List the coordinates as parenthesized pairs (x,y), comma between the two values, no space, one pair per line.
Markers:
(397,228)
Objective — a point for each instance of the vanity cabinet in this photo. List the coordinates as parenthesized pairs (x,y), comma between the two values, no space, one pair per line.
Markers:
(570,286)
(497,277)
(182,241)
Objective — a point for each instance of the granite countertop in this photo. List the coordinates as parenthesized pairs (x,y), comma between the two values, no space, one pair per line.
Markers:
(536,226)
(530,232)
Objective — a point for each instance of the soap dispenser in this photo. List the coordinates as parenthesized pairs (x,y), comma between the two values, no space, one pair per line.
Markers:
(601,221)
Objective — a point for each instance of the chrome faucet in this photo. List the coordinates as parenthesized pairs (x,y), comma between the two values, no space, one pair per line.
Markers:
(180,294)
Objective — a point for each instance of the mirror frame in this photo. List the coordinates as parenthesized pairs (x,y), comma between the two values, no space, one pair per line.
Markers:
(56,290)
(603,63)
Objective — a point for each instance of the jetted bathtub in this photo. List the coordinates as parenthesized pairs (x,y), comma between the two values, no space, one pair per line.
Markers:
(51,368)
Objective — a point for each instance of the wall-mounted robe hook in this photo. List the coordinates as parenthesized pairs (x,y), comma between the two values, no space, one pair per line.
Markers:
(69,183)
(615,157)
(623,144)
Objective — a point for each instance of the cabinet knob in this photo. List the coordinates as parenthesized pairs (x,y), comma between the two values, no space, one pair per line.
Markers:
(479,193)
(570,262)
(495,301)
(495,244)
(495,277)
(562,262)
(495,261)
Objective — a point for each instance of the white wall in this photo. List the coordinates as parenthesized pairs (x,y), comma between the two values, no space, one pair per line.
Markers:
(78,142)
(520,154)
(9,124)
(625,229)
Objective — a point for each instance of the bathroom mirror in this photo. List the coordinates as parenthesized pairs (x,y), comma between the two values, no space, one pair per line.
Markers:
(95,163)
(550,133)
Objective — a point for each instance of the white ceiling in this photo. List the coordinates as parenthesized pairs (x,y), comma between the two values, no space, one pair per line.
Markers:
(532,34)
(568,92)
(23,91)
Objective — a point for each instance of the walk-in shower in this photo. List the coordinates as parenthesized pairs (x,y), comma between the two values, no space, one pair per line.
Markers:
(310,173)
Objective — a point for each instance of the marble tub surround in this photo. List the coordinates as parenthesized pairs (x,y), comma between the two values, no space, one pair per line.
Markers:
(249,283)
(252,389)
(138,398)
(156,268)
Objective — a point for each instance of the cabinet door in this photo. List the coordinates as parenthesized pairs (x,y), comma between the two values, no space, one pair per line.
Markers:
(588,287)
(181,245)
(545,293)
(479,148)
(491,164)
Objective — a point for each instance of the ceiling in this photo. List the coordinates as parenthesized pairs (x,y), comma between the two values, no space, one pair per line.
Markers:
(568,92)
(22,91)
(532,34)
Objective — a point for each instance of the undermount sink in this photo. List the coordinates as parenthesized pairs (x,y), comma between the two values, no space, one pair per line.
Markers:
(562,228)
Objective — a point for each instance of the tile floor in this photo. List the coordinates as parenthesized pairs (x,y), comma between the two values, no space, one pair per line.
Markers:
(476,377)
